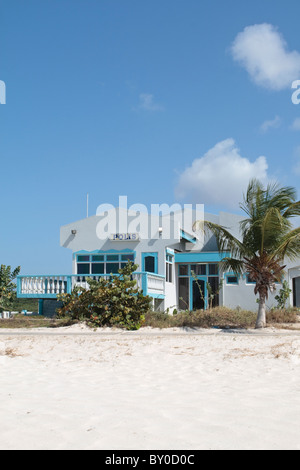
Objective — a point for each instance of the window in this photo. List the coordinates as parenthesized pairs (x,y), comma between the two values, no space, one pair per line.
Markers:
(183,270)
(112,268)
(83,268)
(232,279)
(98,258)
(249,280)
(102,264)
(213,269)
(112,257)
(199,269)
(83,258)
(127,258)
(183,293)
(169,268)
(97,268)
(213,291)
(150,262)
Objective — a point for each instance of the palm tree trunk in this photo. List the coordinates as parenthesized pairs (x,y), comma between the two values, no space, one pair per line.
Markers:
(261,316)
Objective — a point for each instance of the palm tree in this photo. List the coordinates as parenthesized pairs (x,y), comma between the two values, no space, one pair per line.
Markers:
(267,238)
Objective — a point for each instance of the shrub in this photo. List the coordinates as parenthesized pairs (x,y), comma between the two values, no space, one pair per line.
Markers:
(280,315)
(218,317)
(283,295)
(7,286)
(115,301)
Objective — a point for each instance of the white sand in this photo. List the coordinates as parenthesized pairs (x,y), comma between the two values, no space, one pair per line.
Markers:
(153,389)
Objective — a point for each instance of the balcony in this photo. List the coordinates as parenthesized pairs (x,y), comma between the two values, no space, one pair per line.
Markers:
(49,286)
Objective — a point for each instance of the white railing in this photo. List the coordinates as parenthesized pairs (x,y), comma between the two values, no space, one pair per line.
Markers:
(155,284)
(81,281)
(42,285)
(50,286)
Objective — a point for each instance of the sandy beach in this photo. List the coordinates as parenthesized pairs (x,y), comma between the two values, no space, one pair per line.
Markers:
(74,388)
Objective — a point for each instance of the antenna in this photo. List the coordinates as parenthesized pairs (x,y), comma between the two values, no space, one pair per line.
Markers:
(87,205)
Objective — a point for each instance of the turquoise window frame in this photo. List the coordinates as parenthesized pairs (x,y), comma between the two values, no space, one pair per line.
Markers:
(97,259)
(106,261)
(198,278)
(154,255)
(247,280)
(227,275)
(188,270)
(84,259)
(169,262)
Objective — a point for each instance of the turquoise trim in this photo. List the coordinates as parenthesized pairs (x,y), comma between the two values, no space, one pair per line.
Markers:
(101,252)
(36,296)
(187,237)
(157,296)
(44,275)
(231,274)
(69,284)
(246,278)
(155,256)
(200,257)
(41,306)
(18,285)
(145,284)
(200,278)
(144,272)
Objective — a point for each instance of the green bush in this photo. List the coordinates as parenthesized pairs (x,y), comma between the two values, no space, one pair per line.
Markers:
(7,286)
(283,295)
(115,301)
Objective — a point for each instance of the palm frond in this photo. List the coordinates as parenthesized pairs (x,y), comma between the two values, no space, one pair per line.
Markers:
(292,211)
(273,227)
(232,264)
(225,240)
(289,246)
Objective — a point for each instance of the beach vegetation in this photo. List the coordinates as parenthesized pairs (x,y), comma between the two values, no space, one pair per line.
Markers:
(283,295)
(217,317)
(222,318)
(267,238)
(7,286)
(112,301)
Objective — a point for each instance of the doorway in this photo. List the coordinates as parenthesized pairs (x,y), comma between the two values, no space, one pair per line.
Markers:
(296,292)
(199,294)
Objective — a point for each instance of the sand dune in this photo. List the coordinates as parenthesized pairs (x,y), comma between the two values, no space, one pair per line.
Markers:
(73,388)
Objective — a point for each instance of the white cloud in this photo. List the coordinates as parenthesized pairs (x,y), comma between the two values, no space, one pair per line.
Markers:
(272,124)
(263,52)
(147,103)
(220,177)
(296,125)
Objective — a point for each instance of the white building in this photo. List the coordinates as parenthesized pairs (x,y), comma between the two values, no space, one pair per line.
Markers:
(176,264)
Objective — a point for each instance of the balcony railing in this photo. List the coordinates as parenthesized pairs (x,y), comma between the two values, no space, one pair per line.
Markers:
(49,286)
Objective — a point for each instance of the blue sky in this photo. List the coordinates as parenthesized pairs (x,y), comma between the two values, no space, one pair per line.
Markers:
(162,101)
